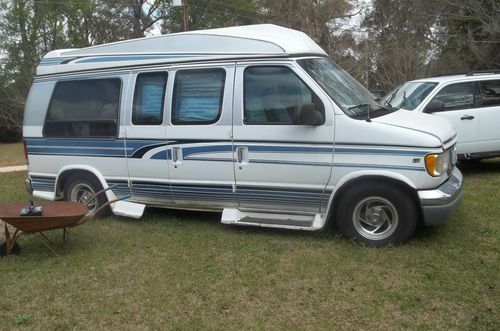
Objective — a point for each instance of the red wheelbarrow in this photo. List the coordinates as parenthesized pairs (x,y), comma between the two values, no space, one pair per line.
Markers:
(54,215)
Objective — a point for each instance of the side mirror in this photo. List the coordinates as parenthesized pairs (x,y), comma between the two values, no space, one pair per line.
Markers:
(307,114)
(434,106)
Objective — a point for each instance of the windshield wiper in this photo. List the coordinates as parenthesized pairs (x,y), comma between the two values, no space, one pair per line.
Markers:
(358,106)
(388,100)
(368,106)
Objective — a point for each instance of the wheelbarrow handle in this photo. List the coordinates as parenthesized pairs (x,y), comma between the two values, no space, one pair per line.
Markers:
(92,198)
(91,215)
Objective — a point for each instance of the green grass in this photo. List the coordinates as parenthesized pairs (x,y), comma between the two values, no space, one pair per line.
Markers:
(186,270)
(11,155)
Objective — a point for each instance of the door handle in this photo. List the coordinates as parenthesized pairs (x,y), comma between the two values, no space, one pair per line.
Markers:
(239,154)
(467,117)
(175,154)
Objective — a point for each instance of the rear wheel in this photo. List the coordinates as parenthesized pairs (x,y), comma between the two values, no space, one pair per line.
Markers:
(81,188)
(378,214)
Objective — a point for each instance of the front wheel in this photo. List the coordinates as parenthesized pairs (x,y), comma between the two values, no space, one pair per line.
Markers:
(376,214)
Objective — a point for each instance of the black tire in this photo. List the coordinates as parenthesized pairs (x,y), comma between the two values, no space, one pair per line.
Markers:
(376,214)
(80,187)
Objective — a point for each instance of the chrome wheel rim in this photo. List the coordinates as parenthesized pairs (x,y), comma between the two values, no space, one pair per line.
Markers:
(375,218)
(83,193)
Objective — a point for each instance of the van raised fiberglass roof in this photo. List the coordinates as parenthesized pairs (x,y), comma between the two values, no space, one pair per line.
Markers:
(263,40)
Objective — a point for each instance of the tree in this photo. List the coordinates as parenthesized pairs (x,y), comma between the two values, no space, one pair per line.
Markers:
(311,17)
(401,35)
(209,14)
(472,39)
(27,31)
(30,29)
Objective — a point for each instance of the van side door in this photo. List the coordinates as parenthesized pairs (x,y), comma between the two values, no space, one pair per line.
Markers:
(146,141)
(199,136)
(282,164)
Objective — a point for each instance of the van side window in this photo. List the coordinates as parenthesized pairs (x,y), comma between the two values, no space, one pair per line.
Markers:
(274,94)
(490,93)
(197,97)
(83,108)
(456,96)
(149,95)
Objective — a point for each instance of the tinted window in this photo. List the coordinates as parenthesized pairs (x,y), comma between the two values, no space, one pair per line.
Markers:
(456,96)
(490,93)
(198,96)
(148,98)
(84,108)
(272,95)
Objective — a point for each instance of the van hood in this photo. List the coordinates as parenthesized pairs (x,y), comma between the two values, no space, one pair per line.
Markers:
(436,126)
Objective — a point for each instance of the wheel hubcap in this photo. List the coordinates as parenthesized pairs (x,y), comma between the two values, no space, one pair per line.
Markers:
(83,193)
(375,218)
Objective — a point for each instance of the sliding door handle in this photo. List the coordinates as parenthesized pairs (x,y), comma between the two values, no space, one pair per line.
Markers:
(467,117)
(176,154)
(239,154)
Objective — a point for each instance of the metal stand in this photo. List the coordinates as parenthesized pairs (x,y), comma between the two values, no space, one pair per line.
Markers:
(10,240)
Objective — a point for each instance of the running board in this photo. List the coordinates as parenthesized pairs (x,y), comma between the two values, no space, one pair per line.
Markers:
(270,220)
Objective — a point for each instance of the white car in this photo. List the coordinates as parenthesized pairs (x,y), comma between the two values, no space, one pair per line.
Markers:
(471,102)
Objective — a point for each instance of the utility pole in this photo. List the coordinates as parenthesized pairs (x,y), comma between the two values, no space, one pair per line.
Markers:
(186,15)
(366,64)
(184,4)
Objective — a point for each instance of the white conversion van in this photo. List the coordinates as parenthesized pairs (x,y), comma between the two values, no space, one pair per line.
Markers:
(254,121)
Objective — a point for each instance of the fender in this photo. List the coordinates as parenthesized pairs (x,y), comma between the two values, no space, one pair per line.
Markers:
(109,194)
(364,173)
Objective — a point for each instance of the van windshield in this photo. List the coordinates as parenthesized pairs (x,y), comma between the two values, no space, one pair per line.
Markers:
(354,100)
(409,95)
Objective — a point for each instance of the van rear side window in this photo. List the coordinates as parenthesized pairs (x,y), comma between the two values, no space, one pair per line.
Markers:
(83,108)
(148,98)
(198,96)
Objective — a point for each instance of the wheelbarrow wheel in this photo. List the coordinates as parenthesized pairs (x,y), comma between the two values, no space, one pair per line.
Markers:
(81,188)
(16,249)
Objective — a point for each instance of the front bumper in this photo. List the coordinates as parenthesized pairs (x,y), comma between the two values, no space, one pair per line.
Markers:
(438,205)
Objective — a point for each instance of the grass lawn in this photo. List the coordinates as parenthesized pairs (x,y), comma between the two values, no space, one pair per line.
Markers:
(186,270)
(11,154)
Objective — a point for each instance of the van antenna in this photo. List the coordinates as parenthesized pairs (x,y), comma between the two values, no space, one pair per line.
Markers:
(368,113)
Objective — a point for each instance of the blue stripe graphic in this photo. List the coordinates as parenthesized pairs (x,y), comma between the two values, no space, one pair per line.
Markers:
(43,183)
(377,166)
(344,150)
(129,58)
(138,148)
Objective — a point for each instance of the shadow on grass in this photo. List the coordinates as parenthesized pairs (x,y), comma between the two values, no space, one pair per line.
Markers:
(212,219)
(483,167)
(428,233)
(188,218)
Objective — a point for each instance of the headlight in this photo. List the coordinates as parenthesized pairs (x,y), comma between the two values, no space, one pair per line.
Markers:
(438,164)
